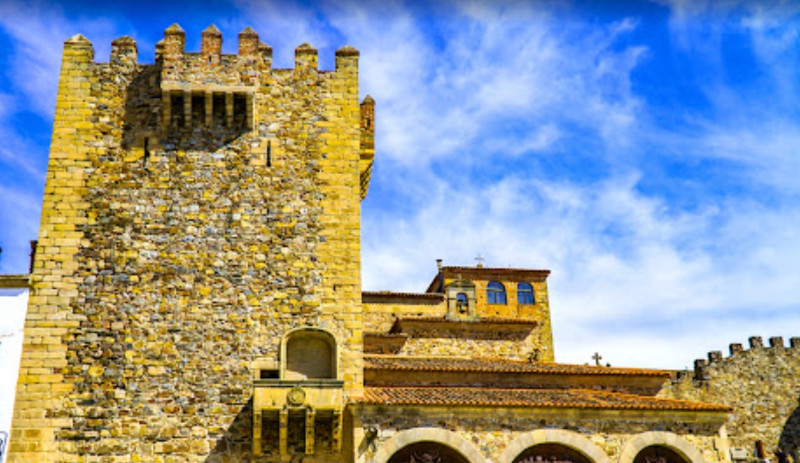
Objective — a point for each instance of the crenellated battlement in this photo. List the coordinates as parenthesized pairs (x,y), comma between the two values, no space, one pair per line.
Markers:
(760,381)
(209,87)
(216,92)
(252,51)
(714,358)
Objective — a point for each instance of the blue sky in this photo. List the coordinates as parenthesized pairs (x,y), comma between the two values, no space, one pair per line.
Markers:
(645,152)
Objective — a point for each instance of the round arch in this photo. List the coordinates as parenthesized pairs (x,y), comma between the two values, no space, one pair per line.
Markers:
(438,435)
(569,439)
(315,353)
(670,440)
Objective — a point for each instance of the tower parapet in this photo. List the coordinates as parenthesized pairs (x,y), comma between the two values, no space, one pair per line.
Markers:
(702,367)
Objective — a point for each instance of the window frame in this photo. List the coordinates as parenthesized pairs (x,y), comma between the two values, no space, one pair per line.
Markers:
(524,287)
(496,293)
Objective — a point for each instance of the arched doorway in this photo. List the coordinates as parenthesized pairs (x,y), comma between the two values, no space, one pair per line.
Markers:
(551,453)
(427,452)
(658,454)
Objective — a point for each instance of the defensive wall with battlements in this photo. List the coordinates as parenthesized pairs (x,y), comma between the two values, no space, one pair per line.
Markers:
(761,383)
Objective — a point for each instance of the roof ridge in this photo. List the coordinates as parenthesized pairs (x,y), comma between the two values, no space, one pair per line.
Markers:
(510,397)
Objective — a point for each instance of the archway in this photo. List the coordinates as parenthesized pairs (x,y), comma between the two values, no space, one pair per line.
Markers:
(548,443)
(409,437)
(682,450)
(427,452)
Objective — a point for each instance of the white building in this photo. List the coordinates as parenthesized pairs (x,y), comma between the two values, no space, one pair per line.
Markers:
(13,304)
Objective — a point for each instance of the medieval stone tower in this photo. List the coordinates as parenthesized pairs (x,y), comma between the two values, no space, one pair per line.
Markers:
(198,263)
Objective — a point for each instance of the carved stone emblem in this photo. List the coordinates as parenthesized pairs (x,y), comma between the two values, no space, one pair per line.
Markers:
(296,396)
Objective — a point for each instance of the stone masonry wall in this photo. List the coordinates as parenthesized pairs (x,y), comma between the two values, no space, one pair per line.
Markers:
(380,317)
(456,347)
(761,383)
(542,336)
(171,257)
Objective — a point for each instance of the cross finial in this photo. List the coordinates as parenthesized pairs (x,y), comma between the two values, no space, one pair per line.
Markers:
(597,357)
(480,260)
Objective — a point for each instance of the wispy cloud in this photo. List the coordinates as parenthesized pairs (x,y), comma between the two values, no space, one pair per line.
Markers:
(39,30)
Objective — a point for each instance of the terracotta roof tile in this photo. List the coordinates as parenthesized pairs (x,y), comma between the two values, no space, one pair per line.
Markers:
(546,398)
(393,294)
(373,334)
(484,320)
(450,269)
(497,365)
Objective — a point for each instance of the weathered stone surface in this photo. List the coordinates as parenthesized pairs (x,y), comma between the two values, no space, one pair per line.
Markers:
(762,384)
(179,244)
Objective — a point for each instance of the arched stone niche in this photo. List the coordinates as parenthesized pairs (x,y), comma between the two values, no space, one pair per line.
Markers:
(309,353)
(405,440)
(573,441)
(670,441)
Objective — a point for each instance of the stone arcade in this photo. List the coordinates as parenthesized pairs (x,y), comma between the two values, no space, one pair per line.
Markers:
(196,296)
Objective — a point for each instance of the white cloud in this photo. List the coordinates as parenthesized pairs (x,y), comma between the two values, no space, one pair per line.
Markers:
(640,284)
(39,31)
(452,94)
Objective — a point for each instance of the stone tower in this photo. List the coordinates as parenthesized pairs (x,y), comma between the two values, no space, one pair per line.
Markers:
(198,262)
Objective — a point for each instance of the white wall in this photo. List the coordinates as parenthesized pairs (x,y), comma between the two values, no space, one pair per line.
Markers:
(13,304)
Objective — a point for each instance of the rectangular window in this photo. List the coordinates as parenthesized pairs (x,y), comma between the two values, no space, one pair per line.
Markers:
(218,111)
(198,109)
(240,110)
(176,106)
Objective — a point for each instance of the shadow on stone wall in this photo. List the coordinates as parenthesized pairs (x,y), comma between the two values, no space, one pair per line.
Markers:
(790,435)
(143,124)
(236,444)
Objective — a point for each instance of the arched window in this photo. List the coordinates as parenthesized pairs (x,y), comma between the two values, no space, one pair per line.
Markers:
(495,293)
(525,293)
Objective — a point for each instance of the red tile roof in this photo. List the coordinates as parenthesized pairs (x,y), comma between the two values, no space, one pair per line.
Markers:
(402,295)
(447,268)
(546,398)
(485,273)
(478,321)
(374,334)
(497,365)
